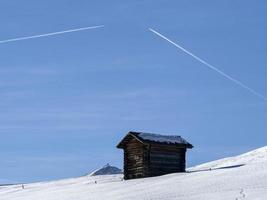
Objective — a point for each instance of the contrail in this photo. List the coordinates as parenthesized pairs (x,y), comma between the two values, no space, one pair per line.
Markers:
(50,34)
(211,66)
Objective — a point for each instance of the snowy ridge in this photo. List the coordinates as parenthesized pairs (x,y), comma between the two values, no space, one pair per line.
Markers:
(238,178)
(252,157)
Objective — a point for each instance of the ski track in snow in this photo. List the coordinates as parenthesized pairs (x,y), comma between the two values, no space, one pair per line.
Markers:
(237,178)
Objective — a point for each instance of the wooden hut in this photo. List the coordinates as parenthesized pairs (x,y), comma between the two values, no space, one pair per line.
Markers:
(147,154)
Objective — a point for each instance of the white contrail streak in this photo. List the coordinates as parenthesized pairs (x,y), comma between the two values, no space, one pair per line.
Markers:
(50,34)
(211,66)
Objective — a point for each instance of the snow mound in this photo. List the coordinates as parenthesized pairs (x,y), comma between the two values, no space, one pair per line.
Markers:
(106,170)
(249,158)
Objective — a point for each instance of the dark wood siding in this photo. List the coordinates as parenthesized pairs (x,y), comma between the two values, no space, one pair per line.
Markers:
(134,160)
(165,159)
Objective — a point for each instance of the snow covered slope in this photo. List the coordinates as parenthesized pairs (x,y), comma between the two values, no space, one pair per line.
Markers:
(235,178)
(257,156)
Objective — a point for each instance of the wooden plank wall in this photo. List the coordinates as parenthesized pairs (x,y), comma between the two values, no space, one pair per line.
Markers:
(165,159)
(134,160)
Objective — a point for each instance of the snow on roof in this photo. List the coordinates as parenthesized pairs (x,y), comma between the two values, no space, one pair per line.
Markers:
(169,139)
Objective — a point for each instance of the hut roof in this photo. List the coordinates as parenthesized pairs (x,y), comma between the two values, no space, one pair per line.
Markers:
(148,138)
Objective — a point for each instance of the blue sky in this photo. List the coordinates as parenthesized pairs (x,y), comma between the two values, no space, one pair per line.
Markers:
(67,100)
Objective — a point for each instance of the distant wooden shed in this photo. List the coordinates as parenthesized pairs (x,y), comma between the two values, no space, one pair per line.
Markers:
(147,154)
